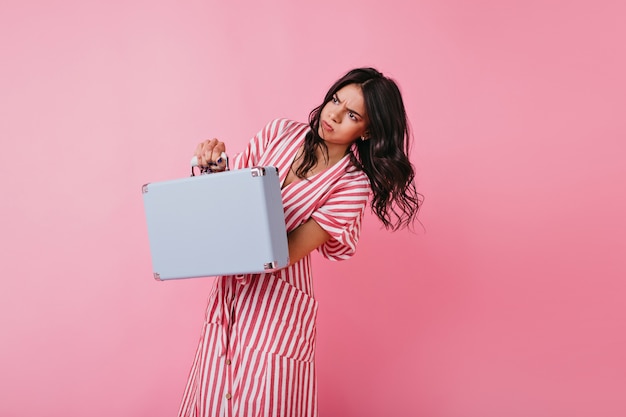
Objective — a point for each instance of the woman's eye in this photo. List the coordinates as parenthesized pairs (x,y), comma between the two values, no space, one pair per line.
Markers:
(352,116)
(335,99)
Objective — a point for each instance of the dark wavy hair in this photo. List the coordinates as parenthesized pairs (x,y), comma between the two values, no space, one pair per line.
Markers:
(384,155)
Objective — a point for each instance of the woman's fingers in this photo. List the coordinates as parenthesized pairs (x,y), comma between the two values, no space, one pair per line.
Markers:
(209,153)
(217,151)
(220,164)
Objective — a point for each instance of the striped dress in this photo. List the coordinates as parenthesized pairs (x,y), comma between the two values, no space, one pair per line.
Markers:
(256,352)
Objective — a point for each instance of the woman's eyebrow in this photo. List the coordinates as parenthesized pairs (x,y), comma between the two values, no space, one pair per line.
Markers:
(350,110)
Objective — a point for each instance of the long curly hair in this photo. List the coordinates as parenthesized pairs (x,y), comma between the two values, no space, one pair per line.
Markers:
(384,155)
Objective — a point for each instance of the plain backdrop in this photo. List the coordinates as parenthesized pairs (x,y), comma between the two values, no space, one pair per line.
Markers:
(507,300)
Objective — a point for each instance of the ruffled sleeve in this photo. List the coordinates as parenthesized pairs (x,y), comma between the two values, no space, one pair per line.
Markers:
(341,215)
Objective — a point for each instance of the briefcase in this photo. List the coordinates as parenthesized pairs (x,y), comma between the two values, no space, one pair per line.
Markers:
(226,223)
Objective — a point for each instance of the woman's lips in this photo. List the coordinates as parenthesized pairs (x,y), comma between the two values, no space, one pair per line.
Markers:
(326,126)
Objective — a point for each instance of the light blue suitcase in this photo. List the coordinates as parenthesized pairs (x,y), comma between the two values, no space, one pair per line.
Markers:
(225,223)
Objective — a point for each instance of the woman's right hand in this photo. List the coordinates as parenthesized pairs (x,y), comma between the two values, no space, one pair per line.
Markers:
(209,153)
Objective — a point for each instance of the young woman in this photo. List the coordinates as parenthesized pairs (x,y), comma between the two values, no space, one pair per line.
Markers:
(256,352)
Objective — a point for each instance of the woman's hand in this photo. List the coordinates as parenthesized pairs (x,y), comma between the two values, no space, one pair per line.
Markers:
(209,153)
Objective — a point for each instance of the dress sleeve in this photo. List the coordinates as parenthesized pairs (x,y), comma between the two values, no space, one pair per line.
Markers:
(258,144)
(341,215)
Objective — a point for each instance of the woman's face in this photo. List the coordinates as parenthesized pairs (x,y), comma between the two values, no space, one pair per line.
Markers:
(344,119)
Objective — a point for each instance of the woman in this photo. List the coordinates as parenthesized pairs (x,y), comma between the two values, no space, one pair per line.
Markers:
(256,353)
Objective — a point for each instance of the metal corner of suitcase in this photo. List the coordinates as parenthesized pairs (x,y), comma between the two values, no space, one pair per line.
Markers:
(257,171)
(274,266)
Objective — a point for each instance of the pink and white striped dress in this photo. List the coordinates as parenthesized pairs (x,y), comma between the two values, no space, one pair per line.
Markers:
(257,348)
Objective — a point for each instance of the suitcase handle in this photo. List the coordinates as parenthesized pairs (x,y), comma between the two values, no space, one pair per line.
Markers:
(211,168)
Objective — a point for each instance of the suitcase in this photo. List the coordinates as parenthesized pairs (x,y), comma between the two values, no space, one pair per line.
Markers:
(226,223)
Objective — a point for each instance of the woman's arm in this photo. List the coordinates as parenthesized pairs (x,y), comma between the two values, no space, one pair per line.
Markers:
(304,239)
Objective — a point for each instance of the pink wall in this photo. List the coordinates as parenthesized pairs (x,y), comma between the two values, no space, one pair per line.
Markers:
(511,304)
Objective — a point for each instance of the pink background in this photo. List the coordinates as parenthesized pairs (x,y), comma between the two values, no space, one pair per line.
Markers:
(509,304)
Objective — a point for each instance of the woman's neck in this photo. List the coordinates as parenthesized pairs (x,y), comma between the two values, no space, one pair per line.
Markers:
(335,154)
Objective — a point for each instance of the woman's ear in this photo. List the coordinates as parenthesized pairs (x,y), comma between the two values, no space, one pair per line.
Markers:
(365,135)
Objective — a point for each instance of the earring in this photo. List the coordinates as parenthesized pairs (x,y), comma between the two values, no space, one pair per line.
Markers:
(364,137)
